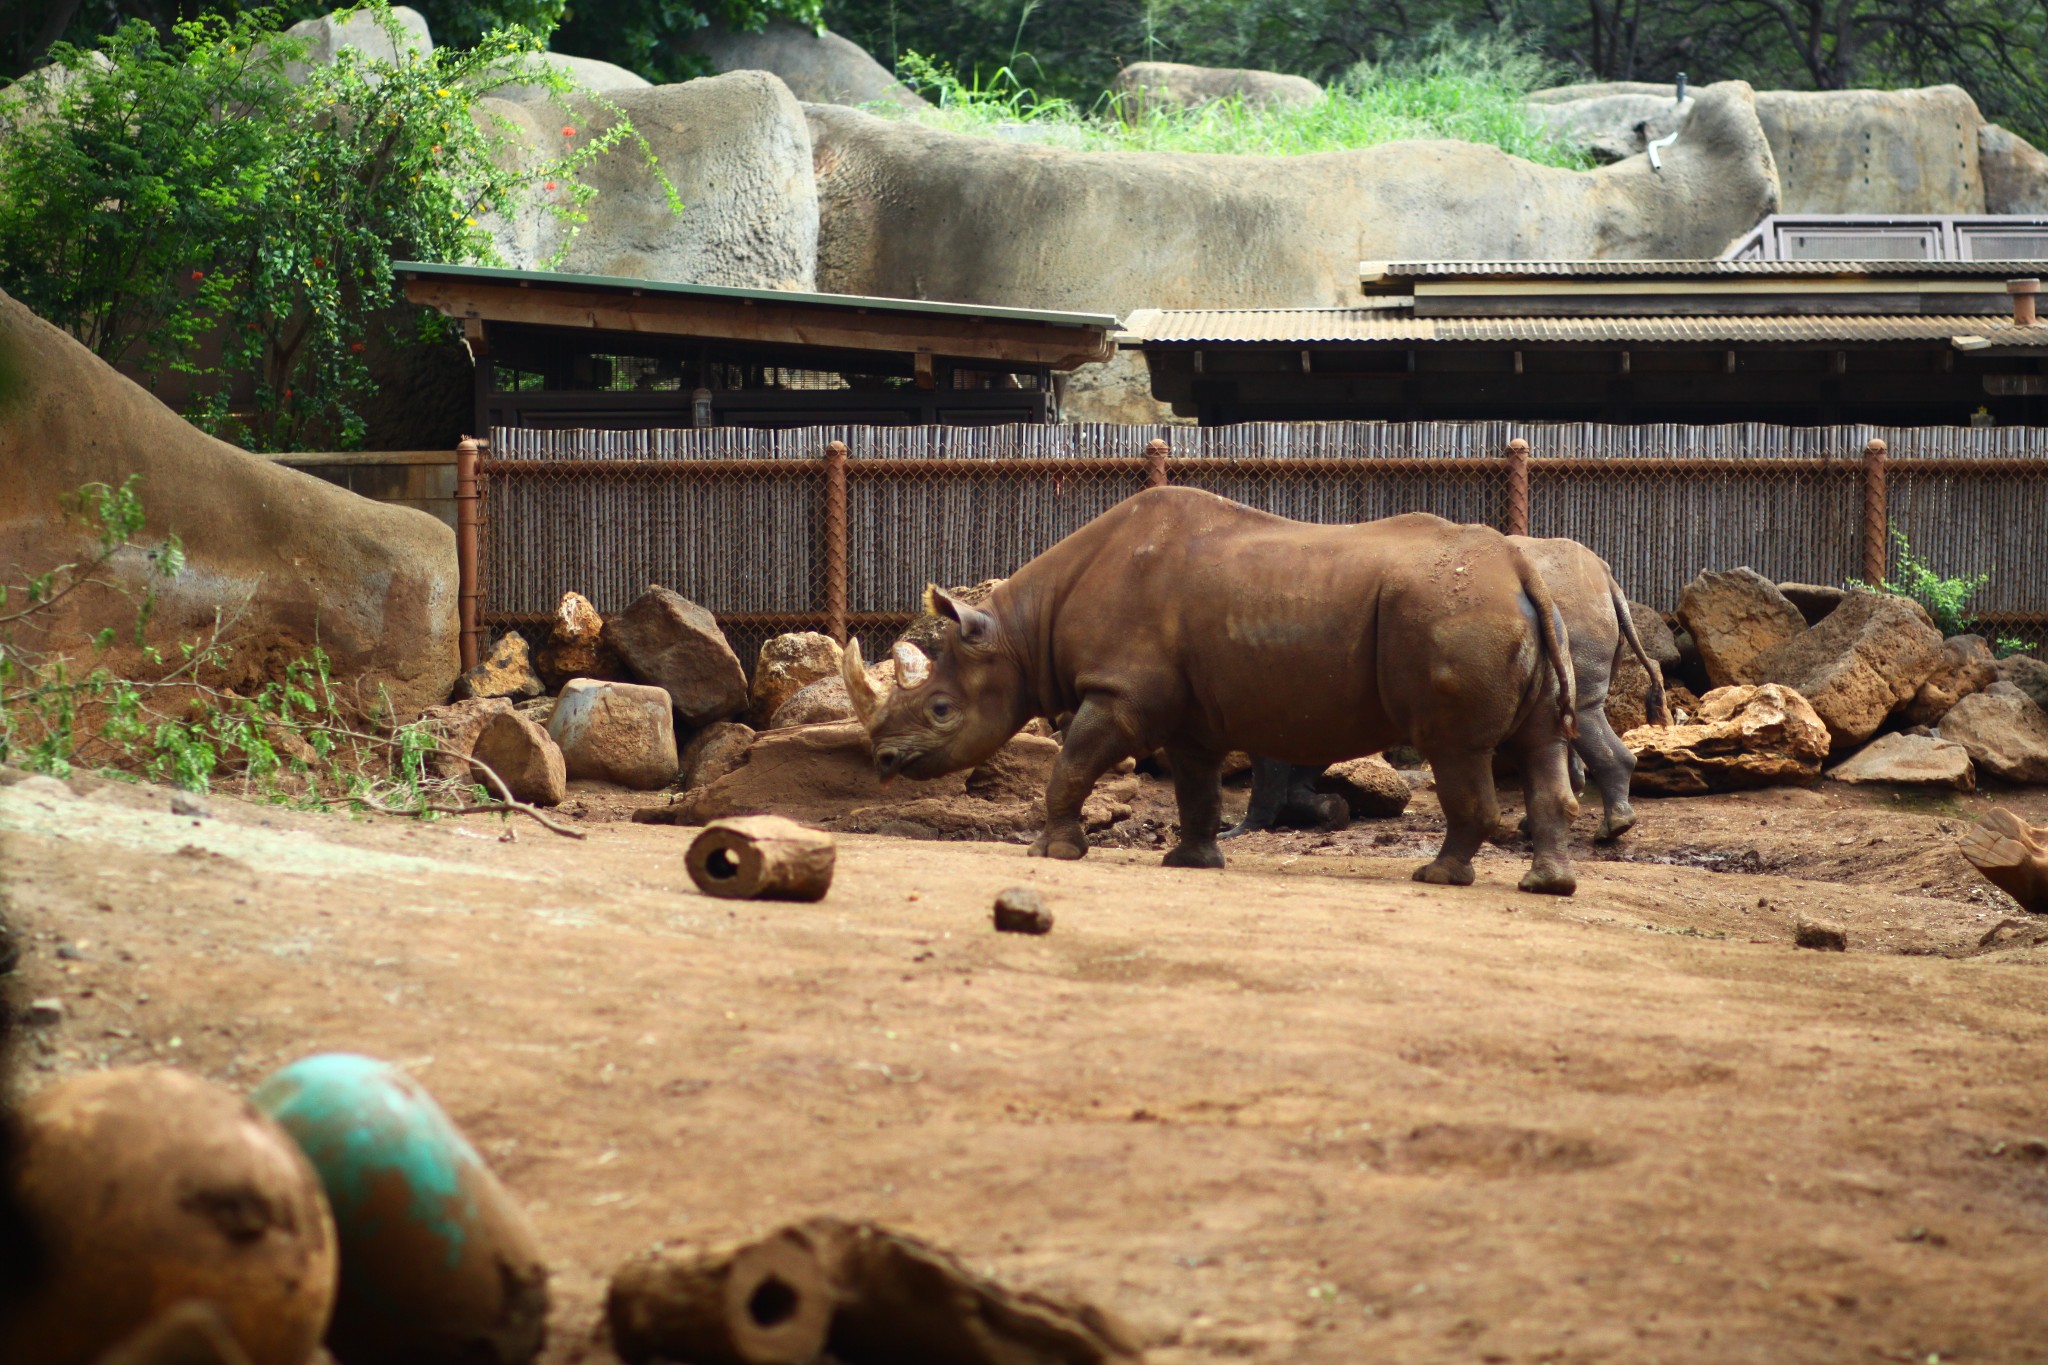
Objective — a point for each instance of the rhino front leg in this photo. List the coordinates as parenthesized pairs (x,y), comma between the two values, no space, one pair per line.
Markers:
(1198,791)
(1093,744)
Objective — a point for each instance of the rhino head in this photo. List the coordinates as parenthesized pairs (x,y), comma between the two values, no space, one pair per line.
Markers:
(946,713)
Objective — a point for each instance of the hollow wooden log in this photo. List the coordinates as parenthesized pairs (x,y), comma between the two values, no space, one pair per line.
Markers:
(765,1303)
(2012,856)
(761,857)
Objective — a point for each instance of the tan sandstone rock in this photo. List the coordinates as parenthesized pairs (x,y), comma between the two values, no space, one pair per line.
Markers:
(814,774)
(526,760)
(713,752)
(2005,732)
(455,728)
(1734,616)
(672,643)
(1370,787)
(575,646)
(1177,85)
(825,702)
(2028,674)
(1655,633)
(1762,736)
(1966,665)
(1865,659)
(1018,771)
(507,671)
(1904,760)
(786,665)
(2015,172)
(616,732)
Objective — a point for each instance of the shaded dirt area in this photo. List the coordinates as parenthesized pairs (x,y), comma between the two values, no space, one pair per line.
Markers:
(1302,1110)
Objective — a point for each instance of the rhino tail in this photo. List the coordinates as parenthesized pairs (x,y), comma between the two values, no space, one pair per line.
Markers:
(1550,630)
(1655,706)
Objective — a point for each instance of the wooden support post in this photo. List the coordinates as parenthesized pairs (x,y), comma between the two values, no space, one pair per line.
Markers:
(1518,487)
(835,540)
(468,555)
(1155,463)
(1876,516)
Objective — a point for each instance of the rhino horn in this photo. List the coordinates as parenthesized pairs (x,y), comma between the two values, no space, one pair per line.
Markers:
(859,690)
(912,667)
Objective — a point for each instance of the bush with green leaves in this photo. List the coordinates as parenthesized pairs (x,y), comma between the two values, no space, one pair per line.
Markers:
(179,205)
(1946,600)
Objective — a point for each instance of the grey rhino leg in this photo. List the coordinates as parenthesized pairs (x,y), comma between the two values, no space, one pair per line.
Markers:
(1464,786)
(1271,782)
(1551,808)
(1198,791)
(1092,746)
(1612,766)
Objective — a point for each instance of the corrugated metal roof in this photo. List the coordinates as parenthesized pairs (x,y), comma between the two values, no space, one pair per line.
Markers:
(668,288)
(1319,326)
(1392,271)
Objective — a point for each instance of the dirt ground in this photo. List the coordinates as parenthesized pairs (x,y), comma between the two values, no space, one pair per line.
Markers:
(1301,1110)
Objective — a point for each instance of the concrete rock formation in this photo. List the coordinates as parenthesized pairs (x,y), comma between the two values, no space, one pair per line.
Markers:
(297,560)
(1866,659)
(2005,732)
(328,35)
(1764,736)
(738,151)
(818,68)
(1176,85)
(676,645)
(1874,151)
(918,213)
(2015,172)
(524,757)
(603,78)
(616,732)
(507,671)
(1904,760)
(1735,616)
(1612,125)
(787,664)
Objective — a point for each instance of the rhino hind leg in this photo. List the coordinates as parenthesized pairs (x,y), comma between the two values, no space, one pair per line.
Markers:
(1551,808)
(1198,791)
(1092,745)
(1612,767)
(1464,785)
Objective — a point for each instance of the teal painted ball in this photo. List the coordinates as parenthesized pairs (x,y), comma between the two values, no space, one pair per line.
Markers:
(437,1263)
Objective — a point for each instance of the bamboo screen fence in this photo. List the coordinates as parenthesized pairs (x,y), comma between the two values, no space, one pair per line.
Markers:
(840,528)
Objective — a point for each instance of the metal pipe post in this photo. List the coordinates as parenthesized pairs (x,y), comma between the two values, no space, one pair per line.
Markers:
(468,578)
(1876,515)
(835,540)
(1518,487)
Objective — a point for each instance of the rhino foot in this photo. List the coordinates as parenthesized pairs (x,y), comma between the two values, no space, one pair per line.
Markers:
(1445,872)
(1614,824)
(1065,845)
(1193,855)
(1550,881)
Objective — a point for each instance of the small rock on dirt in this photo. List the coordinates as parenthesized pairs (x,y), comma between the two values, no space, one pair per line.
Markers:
(788,664)
(524,757)
(1370,787)
(1734,616)
(1821,935)
(2004,731)
(676,645)
(188,804)
(1864,661)
(1904,760)
(48,1011)
(616,732)
(1021,910)
(713,752)
(507,671)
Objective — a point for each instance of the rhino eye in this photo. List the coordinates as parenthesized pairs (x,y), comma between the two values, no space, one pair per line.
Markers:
(941,709)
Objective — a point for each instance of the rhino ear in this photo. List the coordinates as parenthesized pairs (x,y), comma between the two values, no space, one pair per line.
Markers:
(912,667)
(866,705)
(977,627)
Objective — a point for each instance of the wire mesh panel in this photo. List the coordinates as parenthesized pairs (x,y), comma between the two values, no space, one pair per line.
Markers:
(1351,471)
(1971,502)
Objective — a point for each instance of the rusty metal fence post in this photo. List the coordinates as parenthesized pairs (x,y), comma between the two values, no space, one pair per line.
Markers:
(835,540)
(1155,463)
(1517,457)
(1876,517)
(468,557)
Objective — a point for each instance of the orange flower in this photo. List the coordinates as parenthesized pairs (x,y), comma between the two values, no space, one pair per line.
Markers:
(198,275)
(567,131)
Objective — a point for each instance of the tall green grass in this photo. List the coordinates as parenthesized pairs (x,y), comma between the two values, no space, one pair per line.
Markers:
(1466,89)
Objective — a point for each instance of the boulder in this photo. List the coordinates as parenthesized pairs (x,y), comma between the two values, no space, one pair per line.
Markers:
(588,73)
(526,760)
(328,35)
(818,67)
(786,665)
(1735,616)
(919,213)
(1865,659)
(1814,600)
(2015,172)
(738,151)
(1655,633)
(814,774)
(1145,86)
(1909,761)
(1966,665)
(925,630)
(507,671)
(2028,674)
(456,728)
(676,645)
(1370,787)
(616,732)
(1628,695)
(2005,732)
(1763,736)
(294,559)
(713,752)
(825,702)
(1612,125)
(576,646)
(1019,771)
(1874,151)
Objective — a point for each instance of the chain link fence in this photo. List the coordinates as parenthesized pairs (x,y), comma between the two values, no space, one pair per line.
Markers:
(839,529)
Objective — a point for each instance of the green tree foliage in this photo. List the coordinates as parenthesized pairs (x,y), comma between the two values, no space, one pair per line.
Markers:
(177,204)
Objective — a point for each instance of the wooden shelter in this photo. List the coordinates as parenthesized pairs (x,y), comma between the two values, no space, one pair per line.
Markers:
(586,351)
(1793,342)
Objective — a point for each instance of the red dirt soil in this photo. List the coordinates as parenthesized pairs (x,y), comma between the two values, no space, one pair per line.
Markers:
(1301,1110)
